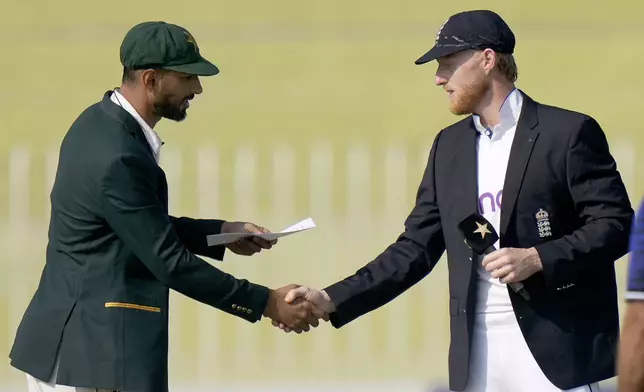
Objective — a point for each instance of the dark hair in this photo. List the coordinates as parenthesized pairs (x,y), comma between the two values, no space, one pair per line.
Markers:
(507,66)
(129,75)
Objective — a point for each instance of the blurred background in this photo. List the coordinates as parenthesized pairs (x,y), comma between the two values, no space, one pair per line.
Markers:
(318,111)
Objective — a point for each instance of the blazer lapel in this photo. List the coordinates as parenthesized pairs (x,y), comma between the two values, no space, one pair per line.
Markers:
(130,125)
(465,176)
(163,191)
(126,120)
(524,140)
(464,171)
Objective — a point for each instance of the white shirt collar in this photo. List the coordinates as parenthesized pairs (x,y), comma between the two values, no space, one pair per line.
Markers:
(150,135)
(510,112)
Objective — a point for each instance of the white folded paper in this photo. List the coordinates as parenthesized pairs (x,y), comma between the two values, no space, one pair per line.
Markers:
(221,239)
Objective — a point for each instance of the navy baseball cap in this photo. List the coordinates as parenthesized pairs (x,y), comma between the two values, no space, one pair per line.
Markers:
(478,29)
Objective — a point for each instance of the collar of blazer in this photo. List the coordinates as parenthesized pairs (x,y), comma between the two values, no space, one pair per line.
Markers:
(125,119)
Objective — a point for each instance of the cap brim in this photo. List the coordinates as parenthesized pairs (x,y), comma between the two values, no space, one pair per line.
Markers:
(201,67)
(438,52)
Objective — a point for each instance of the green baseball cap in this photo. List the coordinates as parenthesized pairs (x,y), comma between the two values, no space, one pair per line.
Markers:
(158,44)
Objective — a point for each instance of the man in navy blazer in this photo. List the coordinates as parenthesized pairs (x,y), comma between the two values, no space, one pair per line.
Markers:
(545,179)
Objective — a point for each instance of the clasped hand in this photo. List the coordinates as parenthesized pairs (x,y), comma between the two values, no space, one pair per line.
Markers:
(298,308)
(293,307)
(511,265)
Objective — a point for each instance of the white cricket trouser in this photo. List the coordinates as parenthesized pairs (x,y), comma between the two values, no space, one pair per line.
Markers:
(502,362)
(36,385)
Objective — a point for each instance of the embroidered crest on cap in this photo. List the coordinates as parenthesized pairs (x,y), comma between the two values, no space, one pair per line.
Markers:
(190,39)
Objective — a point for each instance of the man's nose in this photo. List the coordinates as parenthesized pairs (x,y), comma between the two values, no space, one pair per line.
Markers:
(197,88)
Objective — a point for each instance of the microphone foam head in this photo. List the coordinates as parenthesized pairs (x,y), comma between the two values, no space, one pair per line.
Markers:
(478,232)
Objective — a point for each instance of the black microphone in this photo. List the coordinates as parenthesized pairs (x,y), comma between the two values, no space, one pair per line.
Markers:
(480,236)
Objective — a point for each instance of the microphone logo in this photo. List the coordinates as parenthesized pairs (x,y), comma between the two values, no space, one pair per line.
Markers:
(482,229)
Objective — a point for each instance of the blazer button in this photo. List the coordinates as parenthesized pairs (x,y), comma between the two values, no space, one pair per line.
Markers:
(243,309)
(249,311)
(234,306)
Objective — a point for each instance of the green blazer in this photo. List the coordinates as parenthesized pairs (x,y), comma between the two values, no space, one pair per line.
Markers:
(112,256)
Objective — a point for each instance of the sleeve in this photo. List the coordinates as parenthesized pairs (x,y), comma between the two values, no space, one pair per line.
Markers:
(631,349)
(602,204)
(635,282)
(192,233)
(138,218)
(403,264)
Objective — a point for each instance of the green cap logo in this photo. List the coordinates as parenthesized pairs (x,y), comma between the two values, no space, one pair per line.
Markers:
(191,40)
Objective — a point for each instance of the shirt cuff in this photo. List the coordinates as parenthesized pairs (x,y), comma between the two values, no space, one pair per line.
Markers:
(634,295)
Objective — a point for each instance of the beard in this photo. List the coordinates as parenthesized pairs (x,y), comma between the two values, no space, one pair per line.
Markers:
(169,108)
(469,97)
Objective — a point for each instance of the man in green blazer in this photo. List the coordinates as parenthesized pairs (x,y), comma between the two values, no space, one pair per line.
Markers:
(99,318)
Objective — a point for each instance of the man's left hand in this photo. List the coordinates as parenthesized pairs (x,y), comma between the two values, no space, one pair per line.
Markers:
(247,246)
(511,265)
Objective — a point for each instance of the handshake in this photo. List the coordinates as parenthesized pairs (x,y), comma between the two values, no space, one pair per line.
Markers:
(298,308)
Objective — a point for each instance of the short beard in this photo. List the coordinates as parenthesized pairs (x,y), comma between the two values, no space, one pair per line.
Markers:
(469,97)
(166,109)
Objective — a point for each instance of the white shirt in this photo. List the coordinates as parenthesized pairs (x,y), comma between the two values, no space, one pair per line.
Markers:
(493,153)
(153,139)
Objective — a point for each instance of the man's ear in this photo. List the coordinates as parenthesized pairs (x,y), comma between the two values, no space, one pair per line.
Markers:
(489,60)
(149,78)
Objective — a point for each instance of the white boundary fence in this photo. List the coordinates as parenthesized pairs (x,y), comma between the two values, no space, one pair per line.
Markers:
(392,173)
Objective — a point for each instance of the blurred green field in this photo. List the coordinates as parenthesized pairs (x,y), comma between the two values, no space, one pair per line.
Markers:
(304,70)
(299,73)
